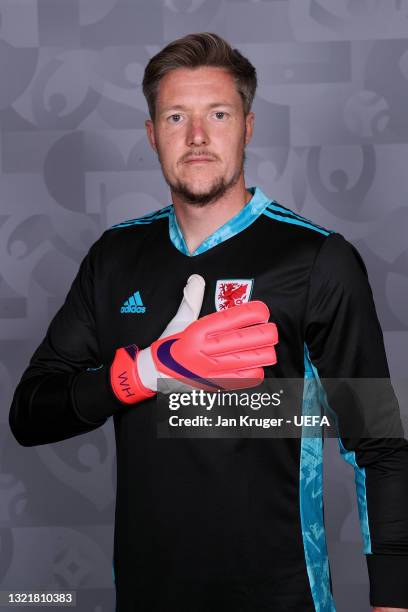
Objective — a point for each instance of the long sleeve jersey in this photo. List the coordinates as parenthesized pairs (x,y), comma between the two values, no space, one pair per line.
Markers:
(211,524)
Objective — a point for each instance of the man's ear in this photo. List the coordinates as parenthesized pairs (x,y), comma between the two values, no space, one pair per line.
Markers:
(150,133)
(249,126)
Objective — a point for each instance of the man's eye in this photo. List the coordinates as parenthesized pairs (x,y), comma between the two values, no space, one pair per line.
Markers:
(175,115)
(220,113)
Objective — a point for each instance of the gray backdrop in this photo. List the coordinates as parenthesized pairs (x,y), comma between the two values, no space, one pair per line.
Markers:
(330,141)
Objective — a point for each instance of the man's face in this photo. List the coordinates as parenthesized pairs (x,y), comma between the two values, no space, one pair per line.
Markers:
(199,113)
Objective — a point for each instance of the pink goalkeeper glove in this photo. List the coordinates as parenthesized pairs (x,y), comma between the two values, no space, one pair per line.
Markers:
(233,345)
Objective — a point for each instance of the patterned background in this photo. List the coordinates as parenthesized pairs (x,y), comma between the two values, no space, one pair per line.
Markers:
(330,141)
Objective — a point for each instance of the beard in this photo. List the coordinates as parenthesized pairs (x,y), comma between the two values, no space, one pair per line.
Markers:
(211,194)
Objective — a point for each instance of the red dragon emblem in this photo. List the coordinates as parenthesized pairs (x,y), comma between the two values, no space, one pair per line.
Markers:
(232,293)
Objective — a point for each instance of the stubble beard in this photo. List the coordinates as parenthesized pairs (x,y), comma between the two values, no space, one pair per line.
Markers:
(214,192)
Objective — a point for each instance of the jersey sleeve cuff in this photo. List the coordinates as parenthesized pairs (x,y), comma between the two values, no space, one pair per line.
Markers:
(387,586)
(93,397)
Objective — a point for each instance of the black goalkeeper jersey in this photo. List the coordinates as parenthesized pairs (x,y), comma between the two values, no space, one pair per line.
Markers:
(219,524)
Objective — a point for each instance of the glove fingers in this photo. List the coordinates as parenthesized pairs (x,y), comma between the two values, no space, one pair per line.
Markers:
(241,360)
(242,339)
(236,317)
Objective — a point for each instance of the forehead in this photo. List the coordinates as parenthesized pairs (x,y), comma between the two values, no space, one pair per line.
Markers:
(186,85)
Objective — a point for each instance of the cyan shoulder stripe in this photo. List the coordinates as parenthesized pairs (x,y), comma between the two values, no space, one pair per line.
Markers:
(303,220)
(276,207)
(145,219)
(280,213)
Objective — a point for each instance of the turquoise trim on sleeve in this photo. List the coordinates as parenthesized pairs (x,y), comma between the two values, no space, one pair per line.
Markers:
(311,500)
(296,220)
(349,457)
(145,219)
(93,369)
(247,215)
(361,491)
(275,206)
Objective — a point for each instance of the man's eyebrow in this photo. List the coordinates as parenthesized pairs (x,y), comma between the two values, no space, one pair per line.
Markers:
(181,107)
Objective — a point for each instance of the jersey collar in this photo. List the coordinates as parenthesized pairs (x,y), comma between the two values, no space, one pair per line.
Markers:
(247,215)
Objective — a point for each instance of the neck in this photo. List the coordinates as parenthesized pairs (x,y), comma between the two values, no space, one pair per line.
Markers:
(197,223)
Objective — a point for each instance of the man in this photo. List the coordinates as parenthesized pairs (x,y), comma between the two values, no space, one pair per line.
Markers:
(220,523)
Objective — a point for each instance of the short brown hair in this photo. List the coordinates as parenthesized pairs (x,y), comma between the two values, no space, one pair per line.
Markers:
(195,50)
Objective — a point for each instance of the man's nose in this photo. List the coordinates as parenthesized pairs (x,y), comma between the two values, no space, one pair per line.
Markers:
(197,133)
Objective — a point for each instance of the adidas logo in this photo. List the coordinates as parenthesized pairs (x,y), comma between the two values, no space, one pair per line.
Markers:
(133,304)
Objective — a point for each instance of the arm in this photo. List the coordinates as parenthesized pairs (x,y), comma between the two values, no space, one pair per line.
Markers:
(66,390)
(344,339)
(57,396)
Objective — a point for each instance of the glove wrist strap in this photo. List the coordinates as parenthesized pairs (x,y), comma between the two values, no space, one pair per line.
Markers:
(124,376)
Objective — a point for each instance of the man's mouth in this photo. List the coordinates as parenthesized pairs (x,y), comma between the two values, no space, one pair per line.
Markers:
(195,160)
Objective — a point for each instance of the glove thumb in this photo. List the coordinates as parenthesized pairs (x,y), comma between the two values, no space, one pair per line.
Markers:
(190,306)
(187,312)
